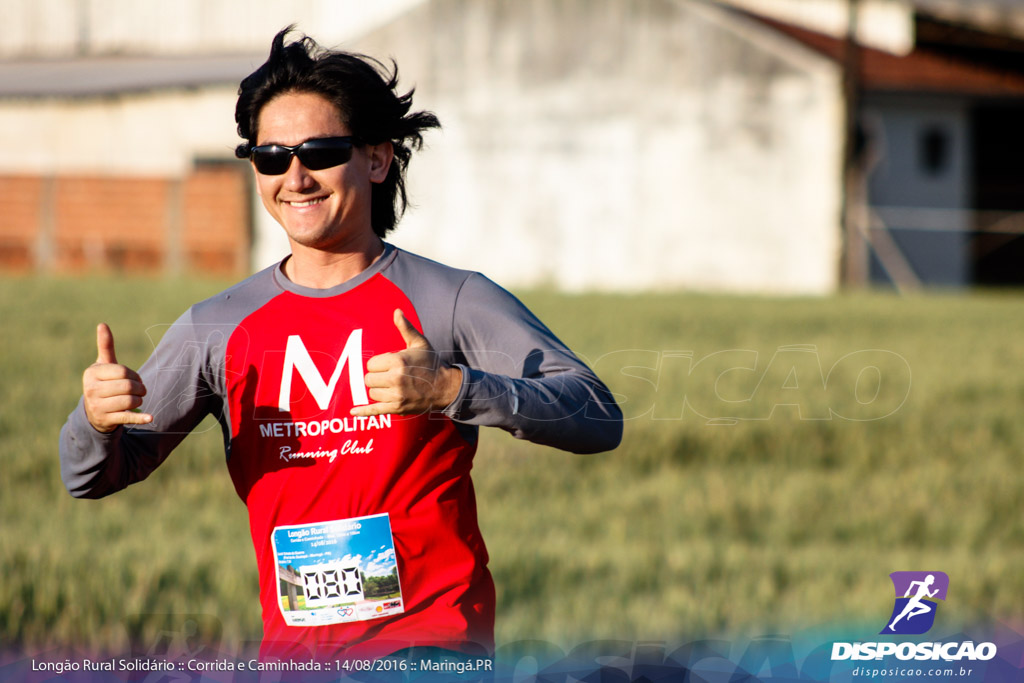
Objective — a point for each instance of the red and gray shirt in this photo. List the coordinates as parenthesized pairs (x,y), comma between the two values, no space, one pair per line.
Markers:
(281,366)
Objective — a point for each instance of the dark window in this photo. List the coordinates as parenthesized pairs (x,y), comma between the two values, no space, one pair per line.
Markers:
(933,151)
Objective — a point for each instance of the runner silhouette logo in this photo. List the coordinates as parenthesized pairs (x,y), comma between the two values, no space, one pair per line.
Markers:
(917,594)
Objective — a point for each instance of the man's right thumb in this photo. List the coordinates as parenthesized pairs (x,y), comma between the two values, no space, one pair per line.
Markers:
(105,344)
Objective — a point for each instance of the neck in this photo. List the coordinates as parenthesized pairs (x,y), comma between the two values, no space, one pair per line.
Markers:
(320,269)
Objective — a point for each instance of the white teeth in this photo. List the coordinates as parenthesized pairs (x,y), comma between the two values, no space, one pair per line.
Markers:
(310,202)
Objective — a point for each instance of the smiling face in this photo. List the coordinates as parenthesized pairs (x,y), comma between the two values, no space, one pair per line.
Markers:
(325,210)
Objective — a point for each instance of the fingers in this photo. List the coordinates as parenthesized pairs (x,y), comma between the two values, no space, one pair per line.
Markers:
(392,369)
(391,378)
(107,414)
(112,392)
(105,344)
(112,371)
(403,382)
(401,362)
(396,386)
(120,403)
(377,409)
(125,417)
(402,389)
(119,387)
(381,364)
(413,341)
(133,418)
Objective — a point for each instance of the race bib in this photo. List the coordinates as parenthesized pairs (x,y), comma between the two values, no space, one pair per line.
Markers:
(335,572)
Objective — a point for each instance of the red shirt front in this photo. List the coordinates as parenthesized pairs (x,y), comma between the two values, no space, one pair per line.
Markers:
(414,468)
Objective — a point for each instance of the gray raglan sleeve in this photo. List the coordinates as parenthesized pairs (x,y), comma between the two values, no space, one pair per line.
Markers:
(518,376)
(94,464)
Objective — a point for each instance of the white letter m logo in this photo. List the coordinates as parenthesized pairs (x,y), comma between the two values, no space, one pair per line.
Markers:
(296,356)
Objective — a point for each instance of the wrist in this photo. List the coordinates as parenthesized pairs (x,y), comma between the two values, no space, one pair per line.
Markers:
(452,383)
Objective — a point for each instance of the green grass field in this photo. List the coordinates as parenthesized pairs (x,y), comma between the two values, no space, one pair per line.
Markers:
(697,525)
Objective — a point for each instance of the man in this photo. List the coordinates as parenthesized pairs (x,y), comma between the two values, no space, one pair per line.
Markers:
(349,381)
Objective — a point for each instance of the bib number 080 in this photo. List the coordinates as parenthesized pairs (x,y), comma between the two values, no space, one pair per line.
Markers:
(331,584)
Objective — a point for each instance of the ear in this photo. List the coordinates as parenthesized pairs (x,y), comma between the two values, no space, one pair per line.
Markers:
(380,157)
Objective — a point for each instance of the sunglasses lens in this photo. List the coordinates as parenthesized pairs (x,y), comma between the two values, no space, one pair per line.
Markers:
(271,159)
(315,155)
(325,153)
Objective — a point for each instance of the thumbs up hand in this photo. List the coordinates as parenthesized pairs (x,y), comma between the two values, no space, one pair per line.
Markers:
(112,391)
(411,381)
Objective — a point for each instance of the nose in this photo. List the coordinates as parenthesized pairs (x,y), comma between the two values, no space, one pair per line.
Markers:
(298,177)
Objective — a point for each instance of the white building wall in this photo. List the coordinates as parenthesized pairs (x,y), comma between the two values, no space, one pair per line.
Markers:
(156,134)
(68,28)
(650,144)
(621,146)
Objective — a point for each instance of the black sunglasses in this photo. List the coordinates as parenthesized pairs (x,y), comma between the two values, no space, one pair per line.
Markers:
(316,154)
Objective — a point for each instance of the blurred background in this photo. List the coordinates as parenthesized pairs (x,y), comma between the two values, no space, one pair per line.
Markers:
(784,146)
(662,181)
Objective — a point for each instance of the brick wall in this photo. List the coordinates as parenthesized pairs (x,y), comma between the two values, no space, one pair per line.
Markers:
(117,223)
(72,223)
(21,203)
(216,227)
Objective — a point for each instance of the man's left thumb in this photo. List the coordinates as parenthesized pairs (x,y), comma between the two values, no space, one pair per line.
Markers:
(413,339)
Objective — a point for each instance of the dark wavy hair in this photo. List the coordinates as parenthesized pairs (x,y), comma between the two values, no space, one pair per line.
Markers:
(363,91)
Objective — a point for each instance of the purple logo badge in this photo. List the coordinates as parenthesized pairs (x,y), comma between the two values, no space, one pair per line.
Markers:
(917,594)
